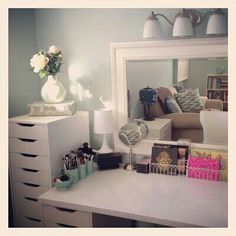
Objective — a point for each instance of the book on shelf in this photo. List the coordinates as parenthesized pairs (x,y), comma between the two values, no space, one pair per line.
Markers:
(217,88)
(217,82)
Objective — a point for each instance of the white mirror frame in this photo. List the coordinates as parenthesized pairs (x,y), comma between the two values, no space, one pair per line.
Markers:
(121,53)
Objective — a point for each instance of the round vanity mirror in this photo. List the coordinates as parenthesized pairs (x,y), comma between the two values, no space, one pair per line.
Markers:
(131,134)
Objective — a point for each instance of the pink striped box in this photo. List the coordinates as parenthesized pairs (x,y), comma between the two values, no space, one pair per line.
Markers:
(203,168)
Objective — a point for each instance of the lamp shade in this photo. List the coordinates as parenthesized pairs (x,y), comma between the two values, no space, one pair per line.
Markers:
(148,95)
(152,29)
(182,27)
(103,122)
(216,24)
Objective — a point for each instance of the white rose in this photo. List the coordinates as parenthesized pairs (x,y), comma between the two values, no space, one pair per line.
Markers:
(38,62)
(53,49)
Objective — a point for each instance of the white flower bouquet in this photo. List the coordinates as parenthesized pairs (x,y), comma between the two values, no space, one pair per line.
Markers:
(47,63)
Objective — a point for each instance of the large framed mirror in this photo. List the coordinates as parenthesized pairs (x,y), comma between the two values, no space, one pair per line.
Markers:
(126,59)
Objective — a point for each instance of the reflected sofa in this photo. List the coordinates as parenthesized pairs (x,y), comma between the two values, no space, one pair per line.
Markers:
(186,125)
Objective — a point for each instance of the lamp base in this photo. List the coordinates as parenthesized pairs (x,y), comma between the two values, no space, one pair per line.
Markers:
(147,115)
(105,148)
(148,119)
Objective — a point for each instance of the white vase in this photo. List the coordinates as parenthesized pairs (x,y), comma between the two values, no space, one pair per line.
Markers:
(53,91)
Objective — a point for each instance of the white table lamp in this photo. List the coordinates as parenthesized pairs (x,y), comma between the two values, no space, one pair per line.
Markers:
(103,124)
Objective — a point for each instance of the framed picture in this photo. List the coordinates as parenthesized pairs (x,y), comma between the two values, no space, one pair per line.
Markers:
(169,159)
(165,158)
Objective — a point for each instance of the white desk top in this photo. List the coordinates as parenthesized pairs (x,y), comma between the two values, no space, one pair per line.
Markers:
(161,199)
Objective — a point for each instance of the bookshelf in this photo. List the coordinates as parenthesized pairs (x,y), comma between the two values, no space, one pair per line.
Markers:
(217,88)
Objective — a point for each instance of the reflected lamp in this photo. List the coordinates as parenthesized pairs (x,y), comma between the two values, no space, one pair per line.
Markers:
(148,96)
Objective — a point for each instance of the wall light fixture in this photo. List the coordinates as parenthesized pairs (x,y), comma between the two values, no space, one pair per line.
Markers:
(184,22)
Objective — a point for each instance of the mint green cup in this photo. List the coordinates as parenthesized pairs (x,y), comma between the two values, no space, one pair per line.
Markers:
(89,167)
(74,173)
(65,184)
(82,171)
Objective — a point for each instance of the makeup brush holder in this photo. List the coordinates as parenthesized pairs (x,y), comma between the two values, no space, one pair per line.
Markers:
(74,173)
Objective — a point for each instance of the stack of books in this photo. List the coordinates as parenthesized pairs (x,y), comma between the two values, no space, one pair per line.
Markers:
(52,109)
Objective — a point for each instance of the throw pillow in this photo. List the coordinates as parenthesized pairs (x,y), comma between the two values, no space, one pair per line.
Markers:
(189,101)
(172,106)
(173,90)
(162,95)
(179,87)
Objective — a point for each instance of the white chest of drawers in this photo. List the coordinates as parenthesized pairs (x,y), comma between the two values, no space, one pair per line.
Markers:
(36,148)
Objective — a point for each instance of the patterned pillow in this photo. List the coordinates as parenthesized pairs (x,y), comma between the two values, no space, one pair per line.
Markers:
(179,87)
(172,106)
(189,101)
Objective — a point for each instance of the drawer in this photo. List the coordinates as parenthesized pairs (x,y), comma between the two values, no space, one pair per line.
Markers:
(29,131)
(26,221)
(30,207)
(30,176)
(66,216)
(50,224)
(30,161)
(29,146)
(28,190)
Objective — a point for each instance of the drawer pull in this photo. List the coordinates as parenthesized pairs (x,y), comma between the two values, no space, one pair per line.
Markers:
(64,225)
(33,219)
(28,125)
(28,155)
(32,185)
(30,170)
(31,199)
(65,209)
(27,140)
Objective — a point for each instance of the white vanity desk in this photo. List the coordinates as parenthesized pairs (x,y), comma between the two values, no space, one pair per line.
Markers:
(160,199)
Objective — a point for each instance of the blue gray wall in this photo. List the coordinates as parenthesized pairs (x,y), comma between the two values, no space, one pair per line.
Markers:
(200,68)
(24,87)
(84,36)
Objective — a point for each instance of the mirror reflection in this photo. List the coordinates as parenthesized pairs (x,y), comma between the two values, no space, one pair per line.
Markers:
(206,78)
